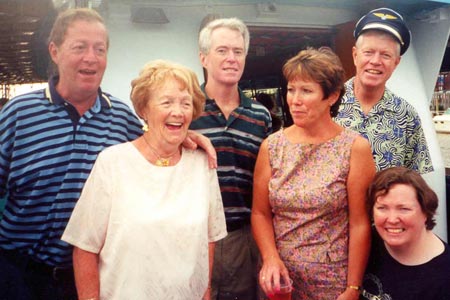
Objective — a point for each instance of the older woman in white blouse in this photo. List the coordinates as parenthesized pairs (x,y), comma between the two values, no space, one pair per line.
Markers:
(151,210)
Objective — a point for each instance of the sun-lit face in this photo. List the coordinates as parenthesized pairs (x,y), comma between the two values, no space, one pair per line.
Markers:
(307,104)
(375,58)
(81,58)
(398,217)
(225,61)
(169,113)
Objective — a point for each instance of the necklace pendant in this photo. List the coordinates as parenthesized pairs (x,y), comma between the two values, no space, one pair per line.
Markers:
(162,162)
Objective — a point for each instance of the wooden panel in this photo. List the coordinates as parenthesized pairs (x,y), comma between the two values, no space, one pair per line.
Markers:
(344,42)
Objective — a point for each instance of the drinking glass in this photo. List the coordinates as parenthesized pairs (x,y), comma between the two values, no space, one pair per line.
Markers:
(285,290)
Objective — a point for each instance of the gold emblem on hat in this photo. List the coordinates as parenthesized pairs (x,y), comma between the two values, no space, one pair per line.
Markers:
(385,16)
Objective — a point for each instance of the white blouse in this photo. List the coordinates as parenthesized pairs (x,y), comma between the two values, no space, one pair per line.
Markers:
(150,225)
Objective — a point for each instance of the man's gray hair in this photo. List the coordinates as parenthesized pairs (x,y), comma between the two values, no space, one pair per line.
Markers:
(204,39)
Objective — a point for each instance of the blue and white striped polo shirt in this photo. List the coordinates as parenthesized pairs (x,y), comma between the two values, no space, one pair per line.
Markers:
(237,142)
(46,154)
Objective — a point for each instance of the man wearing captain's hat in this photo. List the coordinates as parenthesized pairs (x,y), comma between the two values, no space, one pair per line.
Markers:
(391,124)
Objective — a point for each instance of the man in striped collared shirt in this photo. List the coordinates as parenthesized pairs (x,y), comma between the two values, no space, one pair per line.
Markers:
(49,140)
(236,126)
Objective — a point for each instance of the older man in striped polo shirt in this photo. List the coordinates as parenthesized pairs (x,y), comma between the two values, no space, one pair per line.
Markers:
(49,140)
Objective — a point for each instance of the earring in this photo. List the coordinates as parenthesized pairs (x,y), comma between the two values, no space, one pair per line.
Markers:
(145,126)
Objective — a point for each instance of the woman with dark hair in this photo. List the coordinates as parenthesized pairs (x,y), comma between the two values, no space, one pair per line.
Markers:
(408,261)
(309,218)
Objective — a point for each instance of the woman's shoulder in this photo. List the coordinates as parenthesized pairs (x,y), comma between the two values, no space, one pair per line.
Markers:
(277,134)
(359,143)
(444,257)
(117,155)
(274,139)
(195,156)
(352,134)
(117,149)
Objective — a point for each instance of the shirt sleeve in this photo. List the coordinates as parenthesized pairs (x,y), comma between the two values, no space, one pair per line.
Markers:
(89,221)
(7,137)
(217,228)
(418,156)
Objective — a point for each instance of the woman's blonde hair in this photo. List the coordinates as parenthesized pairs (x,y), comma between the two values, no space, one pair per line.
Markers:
(154,75)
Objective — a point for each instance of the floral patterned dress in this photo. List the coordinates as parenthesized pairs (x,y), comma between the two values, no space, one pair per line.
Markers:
(308,196)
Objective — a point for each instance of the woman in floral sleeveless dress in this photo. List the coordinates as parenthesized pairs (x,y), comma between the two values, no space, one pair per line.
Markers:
(309,218)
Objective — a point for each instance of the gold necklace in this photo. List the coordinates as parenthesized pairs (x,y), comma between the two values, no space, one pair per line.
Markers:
(160,161)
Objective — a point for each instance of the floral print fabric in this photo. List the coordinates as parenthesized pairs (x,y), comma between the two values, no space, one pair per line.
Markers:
(308,196)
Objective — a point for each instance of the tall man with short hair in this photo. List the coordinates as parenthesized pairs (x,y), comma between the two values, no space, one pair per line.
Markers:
(236,126)
(391,124)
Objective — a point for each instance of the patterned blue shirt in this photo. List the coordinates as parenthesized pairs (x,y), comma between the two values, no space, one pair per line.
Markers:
(46,154)
(392,127)
(236,140)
